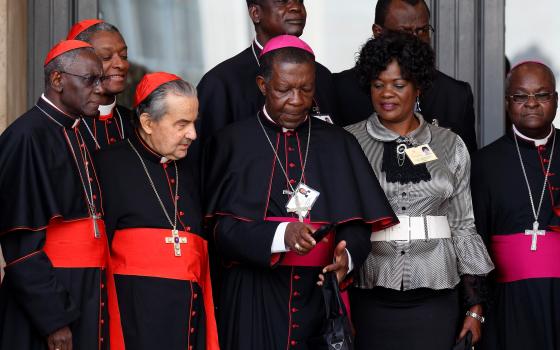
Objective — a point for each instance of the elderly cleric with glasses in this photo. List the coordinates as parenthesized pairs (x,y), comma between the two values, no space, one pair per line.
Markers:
(448,103)
(409,294)
(516,197)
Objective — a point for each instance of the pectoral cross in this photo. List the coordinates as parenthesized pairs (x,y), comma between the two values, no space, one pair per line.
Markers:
(176,241)
(96,232)
(534,232)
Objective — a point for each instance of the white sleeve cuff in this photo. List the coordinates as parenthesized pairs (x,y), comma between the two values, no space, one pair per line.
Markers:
(278,245)
(350,264)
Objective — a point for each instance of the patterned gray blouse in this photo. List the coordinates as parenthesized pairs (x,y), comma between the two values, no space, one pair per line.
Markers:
(433,263)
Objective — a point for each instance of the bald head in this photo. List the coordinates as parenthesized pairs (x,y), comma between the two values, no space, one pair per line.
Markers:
(530,66)
(531,98)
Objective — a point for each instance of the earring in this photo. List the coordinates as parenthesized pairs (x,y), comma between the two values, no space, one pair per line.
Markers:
(417,106)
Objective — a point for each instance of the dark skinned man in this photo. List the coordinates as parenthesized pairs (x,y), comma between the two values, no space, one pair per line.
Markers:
(515,189)
(269,183)
(228,92)
(51,228)
(448,103)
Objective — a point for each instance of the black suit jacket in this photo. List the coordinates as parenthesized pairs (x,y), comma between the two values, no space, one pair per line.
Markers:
(450,101)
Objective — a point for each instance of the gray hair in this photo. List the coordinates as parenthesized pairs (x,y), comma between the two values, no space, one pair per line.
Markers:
(155,104)
(61,63)
(99,27)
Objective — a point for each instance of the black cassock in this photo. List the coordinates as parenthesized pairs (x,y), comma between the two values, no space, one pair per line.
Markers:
(40,186)
(450,101)
(156,312)
(107,130)
(229,93)
(263,303)
(525,313)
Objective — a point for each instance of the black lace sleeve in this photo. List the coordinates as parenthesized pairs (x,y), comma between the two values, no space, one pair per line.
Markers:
(474,290)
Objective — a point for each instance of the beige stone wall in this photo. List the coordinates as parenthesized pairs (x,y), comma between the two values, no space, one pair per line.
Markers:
(13,60)
(13,65)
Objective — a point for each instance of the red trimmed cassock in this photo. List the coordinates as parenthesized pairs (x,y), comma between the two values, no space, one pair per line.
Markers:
(111,126)
(55,273)
(271,300)
(524,310)
(164,300)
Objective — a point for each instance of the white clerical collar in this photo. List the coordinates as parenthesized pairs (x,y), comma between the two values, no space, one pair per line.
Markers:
(76,120)
(258,44)
(272,121)
(538,142)
(105,110)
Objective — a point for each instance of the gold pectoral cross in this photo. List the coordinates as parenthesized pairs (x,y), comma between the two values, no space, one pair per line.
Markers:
(176,241)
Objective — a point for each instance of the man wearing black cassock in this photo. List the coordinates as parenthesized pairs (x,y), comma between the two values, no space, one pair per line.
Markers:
(269,298)
(228,93)
(153,216)
(51,232)
(113,122)
(517,212)
(448,103)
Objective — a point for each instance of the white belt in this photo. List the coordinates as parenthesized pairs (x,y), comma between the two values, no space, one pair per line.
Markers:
(414,227)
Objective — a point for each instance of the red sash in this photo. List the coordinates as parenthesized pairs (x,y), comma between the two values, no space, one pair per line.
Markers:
(515,260)
(72,244)
(144,252)
(321,255)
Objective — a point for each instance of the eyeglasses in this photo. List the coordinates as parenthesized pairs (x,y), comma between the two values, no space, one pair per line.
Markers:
(419,32)
(89,80)
(539,97)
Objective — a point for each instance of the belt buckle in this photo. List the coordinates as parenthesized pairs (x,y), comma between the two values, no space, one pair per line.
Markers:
(401,231)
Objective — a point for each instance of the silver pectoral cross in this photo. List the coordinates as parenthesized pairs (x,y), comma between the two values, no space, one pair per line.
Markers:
(535,232)
(96,232)
(176,241)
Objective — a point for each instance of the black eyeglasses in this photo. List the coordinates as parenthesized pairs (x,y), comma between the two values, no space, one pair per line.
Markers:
(539,97)
(89,80)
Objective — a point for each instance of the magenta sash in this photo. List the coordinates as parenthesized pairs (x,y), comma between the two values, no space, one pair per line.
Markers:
(321,255)
(515,260)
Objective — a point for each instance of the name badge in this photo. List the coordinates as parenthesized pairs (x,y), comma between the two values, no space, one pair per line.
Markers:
(324,117)
(302,200)
(420,154)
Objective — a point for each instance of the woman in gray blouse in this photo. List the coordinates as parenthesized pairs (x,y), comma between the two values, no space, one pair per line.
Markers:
(407,294)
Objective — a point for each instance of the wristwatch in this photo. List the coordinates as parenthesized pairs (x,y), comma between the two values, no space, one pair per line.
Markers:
(475,316)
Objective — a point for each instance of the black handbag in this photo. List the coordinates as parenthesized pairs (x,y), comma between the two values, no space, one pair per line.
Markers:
(336,333)
(464,343)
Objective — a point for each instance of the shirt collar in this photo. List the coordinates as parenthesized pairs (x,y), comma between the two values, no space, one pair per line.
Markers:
(419,136)
(146,151)
(56,113)
(537,142)
(106,111)
(258,44)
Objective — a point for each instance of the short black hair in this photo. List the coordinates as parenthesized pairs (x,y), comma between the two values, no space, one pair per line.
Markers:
(99,27)
(382,8)
(416,59)
(285,54)
(253,2)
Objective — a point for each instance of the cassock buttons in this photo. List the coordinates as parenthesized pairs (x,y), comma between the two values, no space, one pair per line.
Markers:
(181,213)
(192,330)
(193,314)
(291,149)
(293,343)
(292,181)
(297,277)
(292,165)
(195,295)
(289,133)
(295,325)
(296,294)
(294,310)
(172,180)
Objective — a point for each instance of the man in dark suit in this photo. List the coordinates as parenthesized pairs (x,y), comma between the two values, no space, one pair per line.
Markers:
(448,103)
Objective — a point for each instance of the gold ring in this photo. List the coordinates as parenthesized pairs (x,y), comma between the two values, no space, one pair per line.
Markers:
(297,246)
